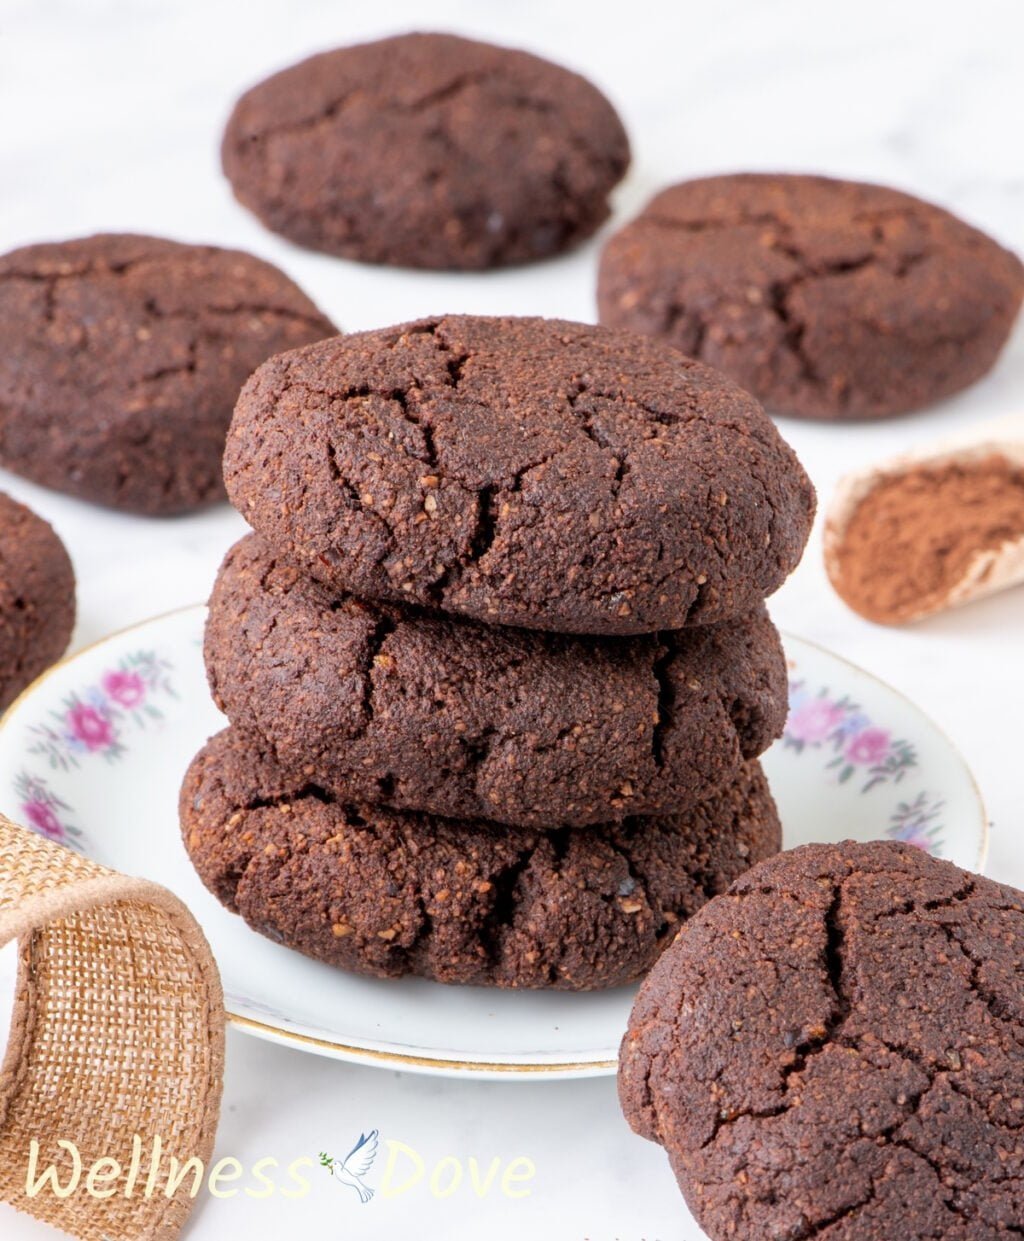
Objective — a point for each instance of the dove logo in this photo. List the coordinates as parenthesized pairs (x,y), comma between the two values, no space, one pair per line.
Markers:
(356,1165)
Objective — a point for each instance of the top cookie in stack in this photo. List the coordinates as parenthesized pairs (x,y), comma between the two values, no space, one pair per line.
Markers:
(524,472)
(414,782)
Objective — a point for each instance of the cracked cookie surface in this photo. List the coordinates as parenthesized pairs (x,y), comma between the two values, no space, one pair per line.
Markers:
(426,712)
(121,358)
(825,298)
(389,894)
(527,472)
(835,1049)
(427,150)
(37,598)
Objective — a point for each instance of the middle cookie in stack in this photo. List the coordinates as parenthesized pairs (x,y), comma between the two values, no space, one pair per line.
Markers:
(496,661)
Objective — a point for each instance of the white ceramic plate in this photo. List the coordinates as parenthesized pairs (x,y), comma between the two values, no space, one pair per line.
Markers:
(93,754)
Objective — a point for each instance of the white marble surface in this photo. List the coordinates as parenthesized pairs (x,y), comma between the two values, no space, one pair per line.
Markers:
(111,115)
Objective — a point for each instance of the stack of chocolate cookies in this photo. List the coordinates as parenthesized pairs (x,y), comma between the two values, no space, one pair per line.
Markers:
(495,658)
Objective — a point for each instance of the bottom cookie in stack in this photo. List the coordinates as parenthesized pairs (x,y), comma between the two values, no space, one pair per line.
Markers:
(391,893)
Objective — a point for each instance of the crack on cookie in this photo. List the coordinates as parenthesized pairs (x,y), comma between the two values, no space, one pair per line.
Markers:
(948,1193)
(355,503)
(586,425)
(247,143)
(477,750)
(384,626)
(963,896)
(794,327)
(661,671)
(820,1038)
(679,319)
(309,791)
(83,270)
(504,904)
(759,434)
(835,937)
(414,418)
(454,361)
(988,997)
(188,367)
(486,528)
(443,94)
(793,330)
(710,224)
(818,1227)
(196,314)
(456,365)
(335,107)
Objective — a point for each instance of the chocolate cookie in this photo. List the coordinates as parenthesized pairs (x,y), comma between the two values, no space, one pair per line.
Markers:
(427,150)
(388,894)
(526,472)
(423,712)
(826,299)
(835,1049)
(37,598)
(121,357)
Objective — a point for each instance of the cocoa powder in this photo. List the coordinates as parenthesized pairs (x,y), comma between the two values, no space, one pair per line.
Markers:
(912,538)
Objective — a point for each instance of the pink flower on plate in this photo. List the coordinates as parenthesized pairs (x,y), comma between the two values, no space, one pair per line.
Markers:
(127,689)
(42,818)
(868,747)
(89,727)
(814,720)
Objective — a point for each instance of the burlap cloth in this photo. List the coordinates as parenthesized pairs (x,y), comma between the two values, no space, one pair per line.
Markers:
(118,1030)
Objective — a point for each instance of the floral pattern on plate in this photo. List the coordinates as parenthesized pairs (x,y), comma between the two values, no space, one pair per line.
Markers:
(95,720)
(919,822)
(853,743)
(44,811)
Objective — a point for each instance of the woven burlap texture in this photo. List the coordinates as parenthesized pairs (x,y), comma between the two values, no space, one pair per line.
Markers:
(118,1030)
